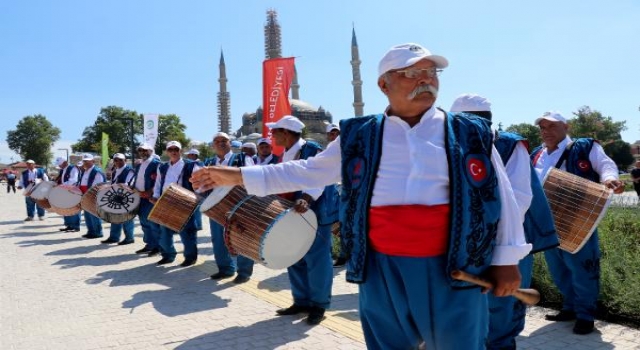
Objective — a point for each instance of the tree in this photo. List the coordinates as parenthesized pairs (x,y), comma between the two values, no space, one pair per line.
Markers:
(113,121)
(588,123)
(33,138)
(528,131)
(620,153)
(205,151)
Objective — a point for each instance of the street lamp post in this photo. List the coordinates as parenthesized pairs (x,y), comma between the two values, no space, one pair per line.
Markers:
(133,147)
(66,151)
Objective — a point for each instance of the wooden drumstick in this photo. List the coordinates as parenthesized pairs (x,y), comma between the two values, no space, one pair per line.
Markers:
(527,296)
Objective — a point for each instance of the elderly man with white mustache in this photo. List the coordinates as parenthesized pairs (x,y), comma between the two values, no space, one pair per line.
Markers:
(423,193)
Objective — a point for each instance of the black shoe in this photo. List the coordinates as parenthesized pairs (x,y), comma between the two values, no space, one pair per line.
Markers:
(109,240)
(241,279)
(74,230)
(188,262)
(293,310)
(220,275)
(65,229)
(316,315)
(339,262)
(88,236)
(164,261)
(154,252)
(143,250)
(125,242)
(562,316)
(583,327)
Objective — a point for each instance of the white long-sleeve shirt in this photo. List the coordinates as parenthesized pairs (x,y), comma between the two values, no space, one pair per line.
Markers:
(413,170)
(73,175)
(140,185)
(117,173)
(85,177)
(518,170)
(173,176)
(601,163)
(292,154)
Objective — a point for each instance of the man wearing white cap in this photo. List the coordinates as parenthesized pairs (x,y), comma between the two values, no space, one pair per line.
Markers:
(144,180)
(227,265)
(178,171)
(250,149)
(89,176)
(265,152)
(333,131)
(193,154)
(121,173)
(507,314)
(68,175)
(414,207)
(576,275)
(30,176)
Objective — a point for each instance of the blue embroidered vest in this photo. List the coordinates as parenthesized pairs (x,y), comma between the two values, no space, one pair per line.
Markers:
(67,175)
(92,175)
(539,228)
(236,160)
(195,221)
(326,207)
(150,174)
(25,176)
(577,161)
(122,178)
(474,197)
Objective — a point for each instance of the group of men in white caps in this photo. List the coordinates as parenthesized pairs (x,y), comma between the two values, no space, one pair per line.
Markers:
(425,192)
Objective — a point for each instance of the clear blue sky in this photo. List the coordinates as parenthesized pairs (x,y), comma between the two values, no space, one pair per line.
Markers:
(67,59)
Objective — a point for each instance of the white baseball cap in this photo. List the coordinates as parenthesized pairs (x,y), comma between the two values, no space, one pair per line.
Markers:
(194,151)
(406,55)
(552,116)
(249,145)
(87,156)
(331,127)
(119,156)
(145,146)
(470,103)
(288,122)
(30,161)
(173,144)
(60,160)
(221,134)
(264,140)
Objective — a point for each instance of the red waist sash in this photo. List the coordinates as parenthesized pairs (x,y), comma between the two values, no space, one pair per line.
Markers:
(409,230)
(84,188)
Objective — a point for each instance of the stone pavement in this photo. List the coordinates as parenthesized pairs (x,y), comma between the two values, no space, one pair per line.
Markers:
(59,291)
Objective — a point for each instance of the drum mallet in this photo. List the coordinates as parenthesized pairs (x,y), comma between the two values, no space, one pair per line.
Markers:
(527,296)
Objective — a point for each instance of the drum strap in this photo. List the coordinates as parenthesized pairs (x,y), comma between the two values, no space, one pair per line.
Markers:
(564,155)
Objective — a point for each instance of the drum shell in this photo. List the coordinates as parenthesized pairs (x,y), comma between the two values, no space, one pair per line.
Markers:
(89,201)
(174,208)
(577,205)
(65,200)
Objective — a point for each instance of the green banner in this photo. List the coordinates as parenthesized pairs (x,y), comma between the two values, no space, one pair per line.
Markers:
(105,150)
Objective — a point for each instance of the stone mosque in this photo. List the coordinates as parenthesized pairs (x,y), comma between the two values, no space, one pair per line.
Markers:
(314,118)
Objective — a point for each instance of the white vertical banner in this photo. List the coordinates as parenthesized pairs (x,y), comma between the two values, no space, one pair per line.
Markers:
(151,129)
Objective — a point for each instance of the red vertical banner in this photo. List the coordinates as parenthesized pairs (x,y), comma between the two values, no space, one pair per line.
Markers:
(277,74)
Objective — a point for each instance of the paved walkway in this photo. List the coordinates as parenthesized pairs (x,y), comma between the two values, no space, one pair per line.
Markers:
(59,291)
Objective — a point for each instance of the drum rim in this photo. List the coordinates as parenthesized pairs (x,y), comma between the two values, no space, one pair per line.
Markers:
(214,198)
(69,189)
(48,183)
(309,217)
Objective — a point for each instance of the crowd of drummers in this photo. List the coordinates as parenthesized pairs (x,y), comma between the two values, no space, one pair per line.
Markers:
(424,193)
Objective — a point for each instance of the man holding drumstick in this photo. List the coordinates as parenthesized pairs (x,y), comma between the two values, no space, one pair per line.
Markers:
(406,223)
(576,275)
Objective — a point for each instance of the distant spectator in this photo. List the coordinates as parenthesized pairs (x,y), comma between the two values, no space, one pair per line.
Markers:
(11,182)
(635,175)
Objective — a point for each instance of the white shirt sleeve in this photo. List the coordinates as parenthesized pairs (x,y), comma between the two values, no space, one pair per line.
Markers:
(248,161)
(511,245)
(602,164)
(157,187)
(127,180)
(519,173)
(45,177)
(73,177)
(316,172)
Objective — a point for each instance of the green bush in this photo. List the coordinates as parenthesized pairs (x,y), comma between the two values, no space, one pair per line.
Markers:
(620,268)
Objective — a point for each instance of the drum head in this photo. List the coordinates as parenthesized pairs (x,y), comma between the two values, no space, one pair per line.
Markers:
(288,239)
(215,197)
(41,190)
(117,199)
(65,196)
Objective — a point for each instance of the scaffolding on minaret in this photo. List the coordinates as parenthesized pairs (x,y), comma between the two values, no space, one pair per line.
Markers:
(358,104)
(224,100)
(272,36)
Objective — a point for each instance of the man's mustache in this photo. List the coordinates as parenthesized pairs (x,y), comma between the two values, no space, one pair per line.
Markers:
(421,89)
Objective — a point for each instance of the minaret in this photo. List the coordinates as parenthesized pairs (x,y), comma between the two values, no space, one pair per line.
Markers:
(357,80)
(224,101)
(272,37)
(295,87)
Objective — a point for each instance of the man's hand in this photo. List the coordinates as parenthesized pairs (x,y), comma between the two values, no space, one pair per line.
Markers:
(505,279)
(616,185)
(153,200)
(212,176)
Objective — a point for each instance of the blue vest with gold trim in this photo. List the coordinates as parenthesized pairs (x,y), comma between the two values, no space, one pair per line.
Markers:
(474,197)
